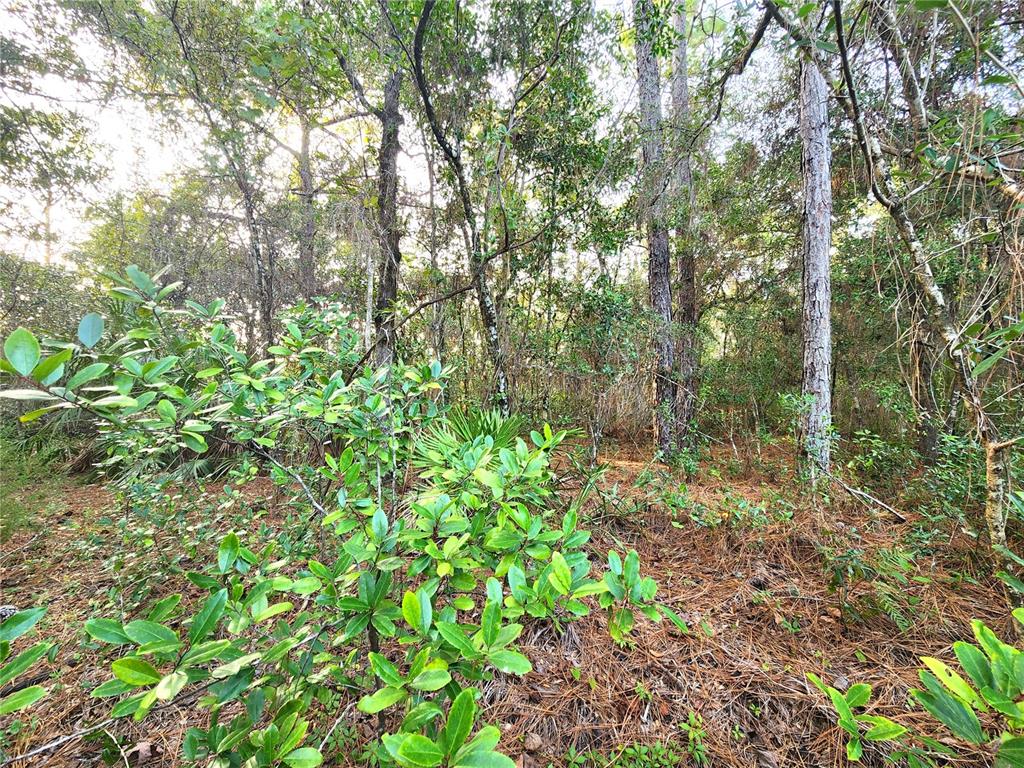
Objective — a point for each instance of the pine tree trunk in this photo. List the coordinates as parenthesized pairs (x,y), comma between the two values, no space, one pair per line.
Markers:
(817,284)
(684,191)
(653,206)
(389,234)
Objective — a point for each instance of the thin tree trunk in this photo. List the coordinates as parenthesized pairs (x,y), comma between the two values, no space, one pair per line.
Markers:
(683,189)
(885,191)
(389,234)
(307,231)
(438,309)
(478,262)
(658,270)
(922,389)
(817,283)
(48,223)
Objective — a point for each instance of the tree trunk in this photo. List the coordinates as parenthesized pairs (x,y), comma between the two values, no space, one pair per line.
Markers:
(922,389)
(264,279)
(478,261)
(388,233)
(489,319)
(817,284)
(688,350)
(307,230)
(653,206)
(885,191)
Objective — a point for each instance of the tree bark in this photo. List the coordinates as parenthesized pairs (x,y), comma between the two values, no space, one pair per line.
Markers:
(653,207)
(922,386)
(307,231)
(389,234)
(817,283)
(684,190)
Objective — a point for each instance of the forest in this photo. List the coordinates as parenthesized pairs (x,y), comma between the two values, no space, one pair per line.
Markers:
(511,383)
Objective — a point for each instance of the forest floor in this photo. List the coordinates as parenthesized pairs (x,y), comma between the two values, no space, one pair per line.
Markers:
(754,590)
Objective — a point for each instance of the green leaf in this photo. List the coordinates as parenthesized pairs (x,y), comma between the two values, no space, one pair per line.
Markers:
(560,575)
(930,5)
(20,623)
(675,618)
(21,699)
(511,662)
(461,717)
(142,281)
(951,713)
(227,554)
(51,369)
(206,620)
(203,652)
(306,586)
(232,668)
(485,759)
(304,757)
(107,631)
(431,680)
(380,700)
(426,610)
(22,351)
(486,740)
(974,663)
(170,685)
(110,688)
(194,442)
(989,361)
(418,752)
(858,695)
(854,749)
(90,330)
(1011,753)
(23,661)
(135,672)
(166,411)
(385,670)
(87,374)
(273,610)
(152,637)
(455,637)
(26,394)
(411,610)
(953,682)
(882,728)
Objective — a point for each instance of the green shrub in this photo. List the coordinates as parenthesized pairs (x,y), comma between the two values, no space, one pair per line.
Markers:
(994,683)
(430,580)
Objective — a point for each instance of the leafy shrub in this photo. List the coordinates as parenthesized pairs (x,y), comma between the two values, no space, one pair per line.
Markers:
(994,684)
(429,579)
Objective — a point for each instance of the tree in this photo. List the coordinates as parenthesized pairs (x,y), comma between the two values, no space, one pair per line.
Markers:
(686,238)
(817,283)
(653,207)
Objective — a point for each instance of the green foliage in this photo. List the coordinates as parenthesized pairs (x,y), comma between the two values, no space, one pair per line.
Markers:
(27,483)
(283,624)
(12,667)
(888,575)
(994,684)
